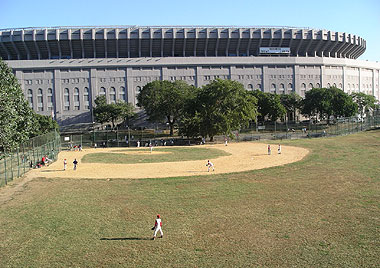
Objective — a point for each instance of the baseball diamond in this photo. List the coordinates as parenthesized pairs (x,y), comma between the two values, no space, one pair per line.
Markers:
(63,69)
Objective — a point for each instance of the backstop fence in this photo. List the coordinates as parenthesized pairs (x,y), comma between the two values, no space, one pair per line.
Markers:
(28,155)
(260,131)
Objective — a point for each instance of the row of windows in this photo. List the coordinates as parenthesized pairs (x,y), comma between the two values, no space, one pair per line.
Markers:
(112,79)
(282,76)
(111,94)
(213,77)
(38,81)
(310,76)
(249,76)
(145,78)
(75,80)
(184,78)
(40,99)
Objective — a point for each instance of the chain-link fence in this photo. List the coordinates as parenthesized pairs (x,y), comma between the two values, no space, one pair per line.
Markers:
(29,155)
(260,131)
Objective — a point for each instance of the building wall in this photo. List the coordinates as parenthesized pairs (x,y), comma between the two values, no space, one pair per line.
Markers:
(67,88)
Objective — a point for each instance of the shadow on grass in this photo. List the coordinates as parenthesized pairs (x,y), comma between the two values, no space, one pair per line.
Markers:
(124,238)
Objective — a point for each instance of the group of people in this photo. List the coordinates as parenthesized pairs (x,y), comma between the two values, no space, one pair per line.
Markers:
(270,150)
(75,163)
(45,161)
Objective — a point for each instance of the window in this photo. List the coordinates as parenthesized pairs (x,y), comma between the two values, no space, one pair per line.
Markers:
(102,91)
(50,99)
(340,85)
(290,87)
(258,86)
(40,100)
(282,88)
(112,95)
(328,85)
(303,89)
(76,99)
(334,85)
(66,99)
(250,87)
(318,85)
(273,88)
(310,86)
(122,94)
(86,98)
(30,98)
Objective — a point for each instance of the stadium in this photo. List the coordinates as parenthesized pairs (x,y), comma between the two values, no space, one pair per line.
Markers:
(63,69)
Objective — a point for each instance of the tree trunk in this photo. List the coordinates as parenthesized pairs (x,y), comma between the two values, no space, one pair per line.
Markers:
(211,138)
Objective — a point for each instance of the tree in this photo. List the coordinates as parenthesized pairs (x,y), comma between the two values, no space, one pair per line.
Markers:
(291,102)
(218,108)
(269,105)
(44,124)
(113,112)
(325,102)
(164,100)
(16,117)
(101,111)
(365,103)
(126,110)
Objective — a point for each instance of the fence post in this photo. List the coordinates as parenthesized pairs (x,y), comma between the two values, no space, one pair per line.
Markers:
(18,163)
(12,166)
(23,155)
(5,167)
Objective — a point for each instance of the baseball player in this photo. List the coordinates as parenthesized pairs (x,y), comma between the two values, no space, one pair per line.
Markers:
(269,150)
(279,149)
(75,164)
(157,227)
(210,165)
(64,164)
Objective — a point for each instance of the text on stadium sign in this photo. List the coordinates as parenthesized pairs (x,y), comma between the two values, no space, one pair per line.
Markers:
(274,50)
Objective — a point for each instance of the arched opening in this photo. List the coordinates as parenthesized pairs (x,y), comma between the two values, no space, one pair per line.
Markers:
(30,98)
(40,100)
(66,99)
(76,99)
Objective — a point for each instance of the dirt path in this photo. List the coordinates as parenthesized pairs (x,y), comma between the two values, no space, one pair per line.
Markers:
(244,156)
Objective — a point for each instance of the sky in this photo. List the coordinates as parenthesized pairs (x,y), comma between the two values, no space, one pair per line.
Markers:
(358,17)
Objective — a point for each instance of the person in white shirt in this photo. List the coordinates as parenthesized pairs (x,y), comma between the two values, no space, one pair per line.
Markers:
(157,227)
(210,165)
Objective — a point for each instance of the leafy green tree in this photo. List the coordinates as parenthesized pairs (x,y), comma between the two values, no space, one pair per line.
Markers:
(113,112)
(101,111)
(292,102)
(325,102)
(269,105)
(365,103)
(164,100)
(312,103)
(16,117)
(126,110)
(44,124)
(219,108)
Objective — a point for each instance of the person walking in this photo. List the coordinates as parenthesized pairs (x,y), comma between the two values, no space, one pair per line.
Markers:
(64,164)
(210,165)
(75,162)
(279,149)
(157,227)
(269,150)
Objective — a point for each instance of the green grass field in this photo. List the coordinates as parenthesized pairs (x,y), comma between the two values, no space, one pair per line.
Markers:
(170,154)
(320,212)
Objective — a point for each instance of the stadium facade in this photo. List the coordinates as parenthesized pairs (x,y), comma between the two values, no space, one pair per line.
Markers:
(63,69)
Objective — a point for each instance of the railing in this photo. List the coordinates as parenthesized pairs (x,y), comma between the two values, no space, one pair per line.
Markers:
(28,155)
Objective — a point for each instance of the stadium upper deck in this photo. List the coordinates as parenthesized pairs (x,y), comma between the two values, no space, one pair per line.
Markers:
(175,41)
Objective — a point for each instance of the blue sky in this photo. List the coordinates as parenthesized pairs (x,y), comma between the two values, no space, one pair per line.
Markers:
(360,17)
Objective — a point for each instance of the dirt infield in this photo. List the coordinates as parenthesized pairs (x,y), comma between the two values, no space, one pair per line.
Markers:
(244,156)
